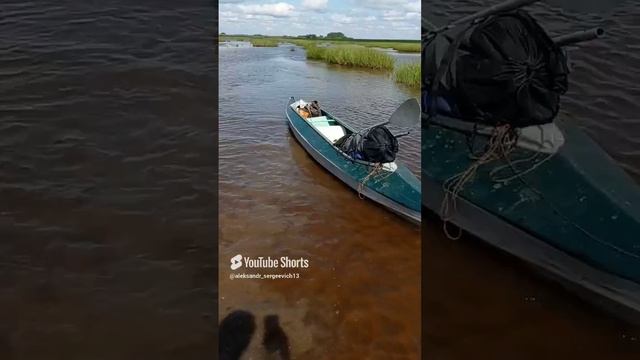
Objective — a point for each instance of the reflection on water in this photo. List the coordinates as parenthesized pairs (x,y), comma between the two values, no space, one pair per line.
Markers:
(479,301)
(360,296)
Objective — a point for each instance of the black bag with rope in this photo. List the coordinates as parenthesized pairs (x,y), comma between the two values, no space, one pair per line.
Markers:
(376,145)
(503,69)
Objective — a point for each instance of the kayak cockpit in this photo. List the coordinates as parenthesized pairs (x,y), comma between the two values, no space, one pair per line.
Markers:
(328,127)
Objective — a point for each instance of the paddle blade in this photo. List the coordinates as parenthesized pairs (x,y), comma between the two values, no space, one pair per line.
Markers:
(406,115)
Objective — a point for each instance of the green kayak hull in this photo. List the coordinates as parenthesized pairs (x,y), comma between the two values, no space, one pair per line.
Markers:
(575,215)
(398,191)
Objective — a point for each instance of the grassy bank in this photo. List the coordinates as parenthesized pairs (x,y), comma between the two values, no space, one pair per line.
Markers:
(350,55)
(398,45)
(255,41)
(407,47)
(264,42)
(408,74)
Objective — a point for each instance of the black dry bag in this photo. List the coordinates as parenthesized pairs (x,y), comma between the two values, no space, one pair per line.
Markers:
(502,70)
(376,145)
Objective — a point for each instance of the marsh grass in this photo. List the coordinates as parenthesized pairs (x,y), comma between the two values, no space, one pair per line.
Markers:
(400,46)
(222,38)
(356,53)
(255,41)
(350,55)
(408,74)
(264,42)
(407,47)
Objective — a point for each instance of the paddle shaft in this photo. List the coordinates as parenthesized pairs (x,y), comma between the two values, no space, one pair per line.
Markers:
(578,36)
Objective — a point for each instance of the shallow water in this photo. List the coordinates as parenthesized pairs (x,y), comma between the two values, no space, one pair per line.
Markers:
(360,296)
(107,180)
(480,301)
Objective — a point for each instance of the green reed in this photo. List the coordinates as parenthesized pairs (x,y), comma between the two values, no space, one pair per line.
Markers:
(350,55)
(264,42)
(408,74)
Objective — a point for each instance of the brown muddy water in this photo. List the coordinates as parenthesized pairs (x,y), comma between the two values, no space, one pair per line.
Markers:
(107,180)
(479,303)
(360,296)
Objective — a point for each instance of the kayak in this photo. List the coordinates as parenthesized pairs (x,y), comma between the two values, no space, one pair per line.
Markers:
(391,185)
(564,206)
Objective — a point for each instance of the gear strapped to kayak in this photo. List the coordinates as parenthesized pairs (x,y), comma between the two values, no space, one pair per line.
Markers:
(503,69)
(376,145)
(380,178)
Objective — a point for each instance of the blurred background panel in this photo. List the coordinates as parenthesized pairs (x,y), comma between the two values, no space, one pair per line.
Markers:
(107,180)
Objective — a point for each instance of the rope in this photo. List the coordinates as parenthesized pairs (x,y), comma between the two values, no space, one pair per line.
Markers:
(375,172)
(518,174)
(501,143)
(500,146)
